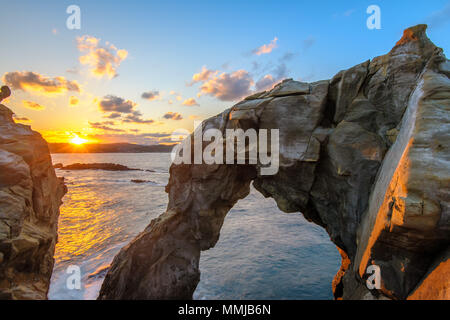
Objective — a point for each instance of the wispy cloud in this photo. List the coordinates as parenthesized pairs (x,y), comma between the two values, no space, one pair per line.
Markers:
(136,117)
(269,80)
(266,48)
(113,115)
(308,43)
(288,56)
(105,126)
(32,105)
(21,119)
(139,138)
(439,18)
(344,14)
(35,82)
(102,60)
(349,12)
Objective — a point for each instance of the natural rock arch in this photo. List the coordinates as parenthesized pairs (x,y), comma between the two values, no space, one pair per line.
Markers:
(354,159)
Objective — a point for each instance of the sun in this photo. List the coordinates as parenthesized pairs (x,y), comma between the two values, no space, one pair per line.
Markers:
(77,140)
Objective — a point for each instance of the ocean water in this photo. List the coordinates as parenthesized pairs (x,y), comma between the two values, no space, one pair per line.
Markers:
(262,253)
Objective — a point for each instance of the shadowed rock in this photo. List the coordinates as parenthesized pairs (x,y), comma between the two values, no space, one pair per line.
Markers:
(5,92)
(364,155)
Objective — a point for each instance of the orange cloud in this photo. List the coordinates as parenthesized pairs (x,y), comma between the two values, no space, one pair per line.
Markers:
(266,48)
(31,81)
(190,102)
(202,76)
(102,60)
(32,105)
(73,101)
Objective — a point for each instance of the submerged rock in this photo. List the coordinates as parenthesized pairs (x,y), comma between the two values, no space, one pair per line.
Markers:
(365,155)
(30,197)
(141,181)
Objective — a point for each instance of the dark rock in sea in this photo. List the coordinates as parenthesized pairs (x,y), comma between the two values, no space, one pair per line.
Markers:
(365,155)
(58,165)
(30,197)
(141,181)
(98,166)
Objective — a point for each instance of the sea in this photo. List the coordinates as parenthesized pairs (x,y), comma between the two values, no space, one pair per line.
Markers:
(262,252)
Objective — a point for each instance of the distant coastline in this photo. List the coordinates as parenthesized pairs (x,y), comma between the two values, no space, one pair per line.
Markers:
(108,148)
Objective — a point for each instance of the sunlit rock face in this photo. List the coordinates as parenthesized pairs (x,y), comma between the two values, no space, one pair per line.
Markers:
(30,196)
(366,155)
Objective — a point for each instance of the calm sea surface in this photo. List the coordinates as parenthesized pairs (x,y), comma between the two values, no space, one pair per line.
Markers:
(262,253)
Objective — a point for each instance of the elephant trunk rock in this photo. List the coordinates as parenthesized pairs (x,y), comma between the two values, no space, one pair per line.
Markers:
(365,155)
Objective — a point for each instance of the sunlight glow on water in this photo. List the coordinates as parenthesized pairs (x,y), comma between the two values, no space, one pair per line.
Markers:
(262,253)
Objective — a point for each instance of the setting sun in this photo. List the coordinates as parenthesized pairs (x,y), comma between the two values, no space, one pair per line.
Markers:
(77,140)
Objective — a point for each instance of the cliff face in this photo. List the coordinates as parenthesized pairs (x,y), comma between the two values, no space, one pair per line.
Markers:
(366,155)
(30,196)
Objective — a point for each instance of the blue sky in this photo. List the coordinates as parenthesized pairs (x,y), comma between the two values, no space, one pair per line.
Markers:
(167,42)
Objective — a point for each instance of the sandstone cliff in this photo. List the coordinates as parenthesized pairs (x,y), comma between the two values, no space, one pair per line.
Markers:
(30,196)
(366,155)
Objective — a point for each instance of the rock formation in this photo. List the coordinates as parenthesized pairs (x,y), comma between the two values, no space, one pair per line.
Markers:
(5,92)
(30,196)
(365,155)
(95,166)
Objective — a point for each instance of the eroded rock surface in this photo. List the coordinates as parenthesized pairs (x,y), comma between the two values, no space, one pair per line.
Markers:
(30,196)
(366,155)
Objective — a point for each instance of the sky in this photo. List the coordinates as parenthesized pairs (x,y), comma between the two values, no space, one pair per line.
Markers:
(136,71)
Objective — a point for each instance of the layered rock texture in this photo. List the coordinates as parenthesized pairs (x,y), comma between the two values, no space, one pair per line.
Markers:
(365,155)
(30,196)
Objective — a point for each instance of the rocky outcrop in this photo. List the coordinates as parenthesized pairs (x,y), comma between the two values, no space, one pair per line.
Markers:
(95,166)
(30,196)
(366,155)
(5,92)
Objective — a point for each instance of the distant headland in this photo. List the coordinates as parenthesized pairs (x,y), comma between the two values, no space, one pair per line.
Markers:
(108,148)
